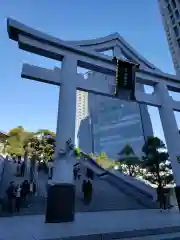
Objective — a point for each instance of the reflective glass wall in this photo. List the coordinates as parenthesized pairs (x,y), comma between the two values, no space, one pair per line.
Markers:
(112,124)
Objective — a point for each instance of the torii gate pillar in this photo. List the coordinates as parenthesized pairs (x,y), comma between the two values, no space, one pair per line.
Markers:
(61,193)
(171,133)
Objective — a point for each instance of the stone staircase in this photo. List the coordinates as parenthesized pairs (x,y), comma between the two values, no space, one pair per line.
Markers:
(108,193)
(130,190)
(34,202)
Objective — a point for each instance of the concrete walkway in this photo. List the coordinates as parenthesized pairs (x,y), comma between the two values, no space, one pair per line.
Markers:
(113,224)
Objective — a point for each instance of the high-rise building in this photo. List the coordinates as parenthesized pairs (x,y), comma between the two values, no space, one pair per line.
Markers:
(3,138)
(81,107)
(170,11)
(111,124)
(116,123)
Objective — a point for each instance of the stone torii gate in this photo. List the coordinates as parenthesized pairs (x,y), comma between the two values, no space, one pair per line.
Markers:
(61,195)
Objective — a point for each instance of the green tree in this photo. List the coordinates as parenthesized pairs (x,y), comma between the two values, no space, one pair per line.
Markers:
(42,144)
(128,161)
(158,168)
(45,133)
(33,147)
(100,159)
(77,153)
(48,145)
(15,142)
(103,160)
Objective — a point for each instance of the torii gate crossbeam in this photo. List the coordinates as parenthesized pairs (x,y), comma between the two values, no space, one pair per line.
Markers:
(71,57)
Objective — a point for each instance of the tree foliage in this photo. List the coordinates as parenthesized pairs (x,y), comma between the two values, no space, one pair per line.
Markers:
(101,158)
(40,143)
(156,164)
(128,161)
(15,143)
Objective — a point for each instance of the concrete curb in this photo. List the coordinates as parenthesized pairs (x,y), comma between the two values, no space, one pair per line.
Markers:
(125,234)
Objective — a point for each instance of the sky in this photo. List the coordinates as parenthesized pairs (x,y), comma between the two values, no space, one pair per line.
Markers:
(34,105)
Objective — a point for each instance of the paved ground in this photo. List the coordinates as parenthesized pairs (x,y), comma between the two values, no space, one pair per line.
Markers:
(98,225)
(108,194)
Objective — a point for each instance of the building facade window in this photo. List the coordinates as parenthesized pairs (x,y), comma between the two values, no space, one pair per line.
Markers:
(176,31)
(177,15)
(170,11)
(172,19)
(174,3)
(178,42)
(169,8)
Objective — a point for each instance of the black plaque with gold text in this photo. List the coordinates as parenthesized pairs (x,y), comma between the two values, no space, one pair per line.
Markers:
(125,77)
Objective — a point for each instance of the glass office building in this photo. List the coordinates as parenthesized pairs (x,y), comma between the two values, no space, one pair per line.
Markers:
(170,12)
(111,124)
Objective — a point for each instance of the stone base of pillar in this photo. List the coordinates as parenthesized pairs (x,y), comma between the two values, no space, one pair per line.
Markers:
(177,191)
(60,203)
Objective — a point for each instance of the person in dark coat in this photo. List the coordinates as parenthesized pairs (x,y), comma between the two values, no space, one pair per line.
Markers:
(162,199)
(18,198)
(22,169)
(11,196)
(18,168)
(75,172)
(83,186)
(87,190)
(79,173)
(90,174)
(33,188)
(25,190)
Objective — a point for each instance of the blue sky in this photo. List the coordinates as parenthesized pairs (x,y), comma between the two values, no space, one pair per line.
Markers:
(34,105)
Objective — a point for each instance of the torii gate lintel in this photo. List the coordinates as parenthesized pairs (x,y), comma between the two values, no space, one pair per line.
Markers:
(97,85)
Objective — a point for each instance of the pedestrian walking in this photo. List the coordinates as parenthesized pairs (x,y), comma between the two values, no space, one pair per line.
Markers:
(163,200)
(18,198)
(75,172)
(11,196)
(33,188)
(22,169)
(25,191)
(87,191)
(18,168)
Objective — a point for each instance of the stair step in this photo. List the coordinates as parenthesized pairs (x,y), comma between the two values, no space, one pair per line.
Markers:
(166,233)
(170,236)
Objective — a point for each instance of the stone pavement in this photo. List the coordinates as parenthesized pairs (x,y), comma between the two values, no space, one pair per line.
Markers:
(109,225)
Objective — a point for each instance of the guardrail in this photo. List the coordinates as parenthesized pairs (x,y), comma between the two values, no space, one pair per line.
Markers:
(138,184)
